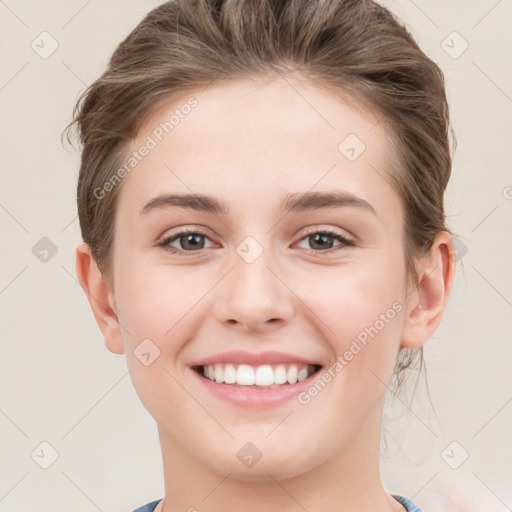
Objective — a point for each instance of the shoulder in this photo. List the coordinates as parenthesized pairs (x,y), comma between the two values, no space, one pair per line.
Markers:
(149,507)
(407,503)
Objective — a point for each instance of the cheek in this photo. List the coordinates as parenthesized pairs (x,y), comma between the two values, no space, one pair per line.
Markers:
(355,298)
(155,302)
(156,307)
(364,334)
(360,314)
(375,339)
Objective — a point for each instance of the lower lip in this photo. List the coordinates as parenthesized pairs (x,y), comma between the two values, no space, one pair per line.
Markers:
(246,396)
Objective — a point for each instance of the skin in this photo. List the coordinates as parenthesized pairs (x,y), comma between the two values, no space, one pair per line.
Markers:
(250,143)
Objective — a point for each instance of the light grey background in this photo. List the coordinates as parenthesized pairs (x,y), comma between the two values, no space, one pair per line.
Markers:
(60,385)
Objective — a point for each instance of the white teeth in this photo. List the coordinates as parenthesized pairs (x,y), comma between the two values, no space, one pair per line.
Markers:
(280,375)
(291,375)
(264,375)
(229,374)
(303,374)
(219,374)
(245,375)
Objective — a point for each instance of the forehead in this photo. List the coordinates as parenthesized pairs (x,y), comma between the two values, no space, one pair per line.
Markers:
(258,139)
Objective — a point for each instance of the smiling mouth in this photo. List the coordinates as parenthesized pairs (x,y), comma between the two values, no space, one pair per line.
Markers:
(263,377)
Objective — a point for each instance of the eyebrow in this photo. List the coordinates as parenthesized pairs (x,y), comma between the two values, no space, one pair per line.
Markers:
(296,202)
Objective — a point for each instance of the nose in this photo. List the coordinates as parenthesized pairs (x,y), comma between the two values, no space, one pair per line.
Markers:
(254,297)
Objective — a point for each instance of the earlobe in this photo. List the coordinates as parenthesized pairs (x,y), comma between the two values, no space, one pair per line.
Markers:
(99,297)
(426,303)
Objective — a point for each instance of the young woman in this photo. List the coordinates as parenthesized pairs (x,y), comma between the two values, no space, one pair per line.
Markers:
(261,204)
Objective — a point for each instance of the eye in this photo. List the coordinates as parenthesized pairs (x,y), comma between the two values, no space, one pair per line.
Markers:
(190,241)
(322,241)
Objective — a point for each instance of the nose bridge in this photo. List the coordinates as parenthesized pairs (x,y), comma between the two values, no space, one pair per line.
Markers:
(253,295)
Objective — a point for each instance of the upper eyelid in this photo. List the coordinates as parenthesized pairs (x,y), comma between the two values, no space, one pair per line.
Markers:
(331,231)
(205,231)
(184,230)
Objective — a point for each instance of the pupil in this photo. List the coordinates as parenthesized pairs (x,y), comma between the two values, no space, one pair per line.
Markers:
(190,239)
(322,238)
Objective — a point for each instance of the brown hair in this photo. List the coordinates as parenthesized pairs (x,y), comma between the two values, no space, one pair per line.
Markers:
(347,46)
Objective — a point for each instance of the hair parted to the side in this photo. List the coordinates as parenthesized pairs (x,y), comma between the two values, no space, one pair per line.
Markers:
(354,47)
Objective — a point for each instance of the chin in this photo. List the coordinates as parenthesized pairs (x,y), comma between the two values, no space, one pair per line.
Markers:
(268,473)
(266,469)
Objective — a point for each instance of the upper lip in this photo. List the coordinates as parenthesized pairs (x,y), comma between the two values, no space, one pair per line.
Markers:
(254,358)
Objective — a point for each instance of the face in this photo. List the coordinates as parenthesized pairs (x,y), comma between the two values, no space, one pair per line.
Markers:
(271,272)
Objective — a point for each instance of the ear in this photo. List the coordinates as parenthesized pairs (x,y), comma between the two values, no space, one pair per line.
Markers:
(100,298)
(426,303)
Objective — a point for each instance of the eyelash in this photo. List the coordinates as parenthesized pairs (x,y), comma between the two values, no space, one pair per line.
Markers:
(164,244)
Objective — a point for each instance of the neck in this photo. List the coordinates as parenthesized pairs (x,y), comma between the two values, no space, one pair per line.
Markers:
(348,481)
